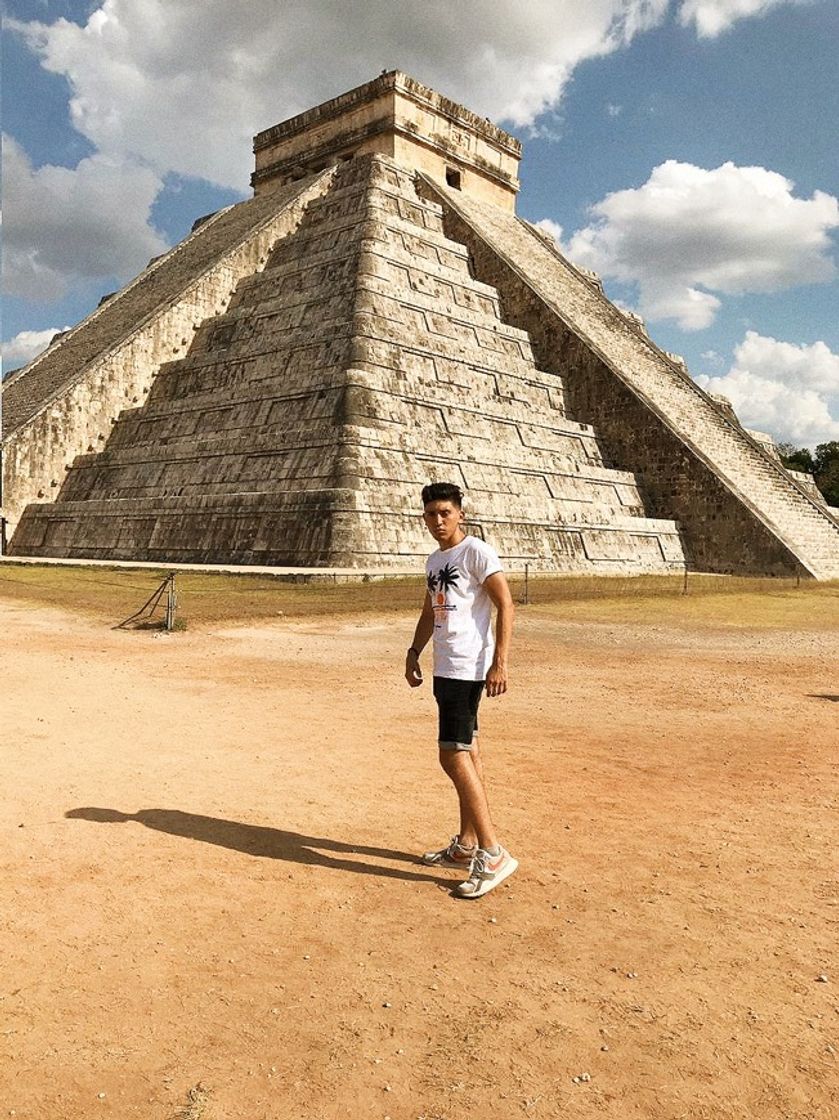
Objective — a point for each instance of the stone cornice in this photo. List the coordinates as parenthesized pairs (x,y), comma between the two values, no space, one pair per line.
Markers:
(372,91)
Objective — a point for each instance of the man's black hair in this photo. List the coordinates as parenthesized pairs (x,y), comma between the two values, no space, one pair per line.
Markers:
(442,492)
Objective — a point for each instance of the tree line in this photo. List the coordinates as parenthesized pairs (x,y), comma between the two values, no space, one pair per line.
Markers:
(823,464)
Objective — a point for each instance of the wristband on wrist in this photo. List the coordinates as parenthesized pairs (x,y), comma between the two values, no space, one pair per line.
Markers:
(414,651)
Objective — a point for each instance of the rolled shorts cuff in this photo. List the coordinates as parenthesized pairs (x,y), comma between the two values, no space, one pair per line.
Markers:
(450,745)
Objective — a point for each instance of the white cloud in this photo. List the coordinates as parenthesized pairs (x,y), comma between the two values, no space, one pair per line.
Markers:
(184,92)
(66,224)
(712,17)
(688,233)
(27,345)
(790,391)
(160,86)
(553,229)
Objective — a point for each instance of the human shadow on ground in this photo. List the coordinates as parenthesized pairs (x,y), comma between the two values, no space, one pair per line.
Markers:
(823,696)
(257,840)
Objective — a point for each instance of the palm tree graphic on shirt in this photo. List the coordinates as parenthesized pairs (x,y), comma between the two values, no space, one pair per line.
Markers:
(447,577)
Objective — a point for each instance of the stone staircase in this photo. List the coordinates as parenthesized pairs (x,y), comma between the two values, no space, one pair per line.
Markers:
(433,357)
(514,257)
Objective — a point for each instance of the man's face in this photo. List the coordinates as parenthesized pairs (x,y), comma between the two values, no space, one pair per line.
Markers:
(444,522)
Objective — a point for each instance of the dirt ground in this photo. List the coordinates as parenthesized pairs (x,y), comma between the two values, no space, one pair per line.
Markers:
(211,906)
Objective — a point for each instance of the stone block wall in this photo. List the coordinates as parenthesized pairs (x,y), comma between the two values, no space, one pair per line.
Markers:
(395,116)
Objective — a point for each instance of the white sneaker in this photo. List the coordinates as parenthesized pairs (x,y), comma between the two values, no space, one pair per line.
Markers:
(486,873)
(455,855)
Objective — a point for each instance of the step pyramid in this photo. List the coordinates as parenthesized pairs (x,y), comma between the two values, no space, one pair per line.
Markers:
(361,361)
(306,361)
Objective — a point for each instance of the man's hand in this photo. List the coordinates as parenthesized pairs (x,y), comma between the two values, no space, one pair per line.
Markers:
(422,636)
(413,673)
(498,590)
(496,682)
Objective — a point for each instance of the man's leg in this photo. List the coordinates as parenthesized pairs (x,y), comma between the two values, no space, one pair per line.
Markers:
(489,863)
(475,821)
(475,754)
(458,702)
(468,834)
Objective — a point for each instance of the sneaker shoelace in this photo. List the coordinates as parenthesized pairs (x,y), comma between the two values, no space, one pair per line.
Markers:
(479,866)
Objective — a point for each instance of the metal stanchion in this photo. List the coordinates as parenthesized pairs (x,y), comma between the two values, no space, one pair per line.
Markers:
(146,612)
(171,601)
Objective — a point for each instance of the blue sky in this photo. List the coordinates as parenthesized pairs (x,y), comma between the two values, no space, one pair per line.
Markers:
(685,149)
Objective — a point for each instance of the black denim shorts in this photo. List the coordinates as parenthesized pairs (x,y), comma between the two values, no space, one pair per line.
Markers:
(457,708)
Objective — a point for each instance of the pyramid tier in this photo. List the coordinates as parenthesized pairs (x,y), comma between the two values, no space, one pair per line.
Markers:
(327,528)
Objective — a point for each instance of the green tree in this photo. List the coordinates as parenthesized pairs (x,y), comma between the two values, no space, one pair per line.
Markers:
(826,470)
(823,465)
(796,458)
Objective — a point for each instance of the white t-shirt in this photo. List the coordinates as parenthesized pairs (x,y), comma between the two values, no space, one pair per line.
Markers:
(463,642)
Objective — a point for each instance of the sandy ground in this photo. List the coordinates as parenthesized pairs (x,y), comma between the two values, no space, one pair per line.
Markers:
(208,878)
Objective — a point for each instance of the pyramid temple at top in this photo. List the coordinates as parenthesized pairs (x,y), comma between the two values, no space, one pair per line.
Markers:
(278,387)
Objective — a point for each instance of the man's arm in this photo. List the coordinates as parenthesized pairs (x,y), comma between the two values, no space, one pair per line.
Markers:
(422,635)
(499,592)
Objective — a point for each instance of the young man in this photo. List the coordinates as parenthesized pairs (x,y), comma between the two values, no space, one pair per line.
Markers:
(464,579)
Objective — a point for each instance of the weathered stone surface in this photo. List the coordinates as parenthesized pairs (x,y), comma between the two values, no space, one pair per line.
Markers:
(393,115)
(738,509)
(360,362)
(64,402)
